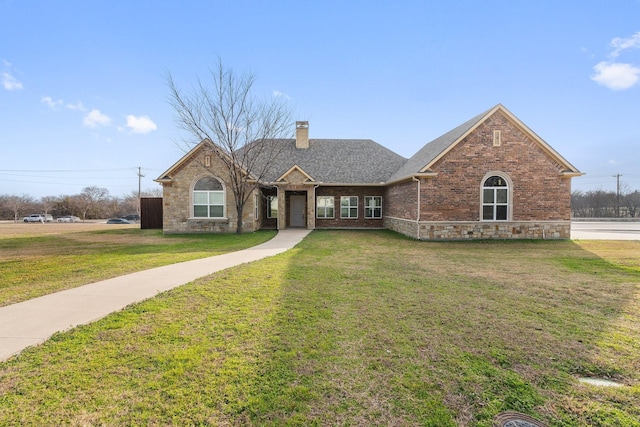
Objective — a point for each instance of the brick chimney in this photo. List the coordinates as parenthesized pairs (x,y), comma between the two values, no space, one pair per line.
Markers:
(302,134)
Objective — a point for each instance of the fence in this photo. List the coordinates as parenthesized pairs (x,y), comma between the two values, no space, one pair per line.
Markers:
(150,213)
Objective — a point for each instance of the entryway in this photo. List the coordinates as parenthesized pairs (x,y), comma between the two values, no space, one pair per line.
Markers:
(297,209)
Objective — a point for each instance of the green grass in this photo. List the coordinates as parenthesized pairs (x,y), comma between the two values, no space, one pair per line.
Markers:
(357,328)
(31,266)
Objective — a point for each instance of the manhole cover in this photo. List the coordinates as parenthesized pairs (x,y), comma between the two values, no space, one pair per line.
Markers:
(516,419)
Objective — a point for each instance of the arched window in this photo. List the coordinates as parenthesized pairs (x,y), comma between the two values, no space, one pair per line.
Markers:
(495,199)
(208,198)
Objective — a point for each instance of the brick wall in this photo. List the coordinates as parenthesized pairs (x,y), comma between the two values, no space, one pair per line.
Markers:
(402,200)
(538,191)
(361,193)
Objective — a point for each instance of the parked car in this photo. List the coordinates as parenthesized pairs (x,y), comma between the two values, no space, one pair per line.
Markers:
(68,218)
(38,218)
(118,221)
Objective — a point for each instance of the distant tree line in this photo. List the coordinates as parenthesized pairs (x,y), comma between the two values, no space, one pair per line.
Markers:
(605,204)
(91,203)
(96,203)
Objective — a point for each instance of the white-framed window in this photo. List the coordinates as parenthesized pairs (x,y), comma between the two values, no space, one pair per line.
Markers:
(495,199)
(373,207)
(349,207)
(272,206)
(324,207)
(208,198)
(256,206)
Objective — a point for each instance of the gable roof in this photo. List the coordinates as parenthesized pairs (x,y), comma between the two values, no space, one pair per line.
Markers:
(337,161)
(292,169)
(434,148)
(364,161)
(423,160)
(167,175)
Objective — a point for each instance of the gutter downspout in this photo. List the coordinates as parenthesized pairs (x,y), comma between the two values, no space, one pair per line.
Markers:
(418,215)
(314,205)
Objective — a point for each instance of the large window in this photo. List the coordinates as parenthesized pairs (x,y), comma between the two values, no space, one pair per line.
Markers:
(495,199)
(373,207)
(349,207)
(324,207)
(208,198)
(272,206)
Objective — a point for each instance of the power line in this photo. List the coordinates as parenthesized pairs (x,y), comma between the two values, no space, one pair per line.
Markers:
(66,170)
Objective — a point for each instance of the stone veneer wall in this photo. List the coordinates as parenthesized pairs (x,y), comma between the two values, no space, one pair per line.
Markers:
(442,230)
(177,200)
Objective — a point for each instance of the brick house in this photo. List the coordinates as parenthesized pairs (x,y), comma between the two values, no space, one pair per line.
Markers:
(490,177)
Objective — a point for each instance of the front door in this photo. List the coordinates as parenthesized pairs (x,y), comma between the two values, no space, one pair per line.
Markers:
(297,210)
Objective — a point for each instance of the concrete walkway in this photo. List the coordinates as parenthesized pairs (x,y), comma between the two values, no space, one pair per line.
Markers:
(32,322)
(605,230)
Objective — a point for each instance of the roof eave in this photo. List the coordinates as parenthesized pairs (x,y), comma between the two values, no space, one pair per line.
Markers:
(570,169)
(479,121)
(412,177)
(571,174)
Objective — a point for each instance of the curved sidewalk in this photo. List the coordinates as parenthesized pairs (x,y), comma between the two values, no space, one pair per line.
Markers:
(32,322)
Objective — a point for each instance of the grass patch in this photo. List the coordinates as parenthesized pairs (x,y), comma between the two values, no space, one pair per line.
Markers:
(356,328)
(35,265)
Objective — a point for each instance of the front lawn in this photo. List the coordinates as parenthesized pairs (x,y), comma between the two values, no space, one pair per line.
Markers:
(357,328)
(32,265)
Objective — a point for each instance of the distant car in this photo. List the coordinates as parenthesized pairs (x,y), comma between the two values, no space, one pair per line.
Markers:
(68,218)
(132,217)
(118,221)
(38,218)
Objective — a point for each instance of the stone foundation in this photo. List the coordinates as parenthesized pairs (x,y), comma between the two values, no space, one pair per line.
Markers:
(193,225)
(463,230)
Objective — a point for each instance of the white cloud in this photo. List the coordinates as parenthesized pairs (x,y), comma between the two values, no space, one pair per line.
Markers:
(50,102)
(76,107)
(9,82)
(278,94)
(616,75)
(142,124)
(620,44)
(95,118)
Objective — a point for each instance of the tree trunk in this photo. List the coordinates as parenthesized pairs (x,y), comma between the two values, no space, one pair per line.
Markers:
(239,210)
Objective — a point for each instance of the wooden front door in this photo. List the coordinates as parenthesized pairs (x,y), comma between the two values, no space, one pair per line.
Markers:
(297,210)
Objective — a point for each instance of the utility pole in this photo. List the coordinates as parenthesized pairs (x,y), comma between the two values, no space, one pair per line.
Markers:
(617,177)
(139,184)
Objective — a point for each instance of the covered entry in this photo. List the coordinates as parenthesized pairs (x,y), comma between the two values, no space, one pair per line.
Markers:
(297,208)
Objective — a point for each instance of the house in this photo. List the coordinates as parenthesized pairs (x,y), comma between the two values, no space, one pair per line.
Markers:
(490,177)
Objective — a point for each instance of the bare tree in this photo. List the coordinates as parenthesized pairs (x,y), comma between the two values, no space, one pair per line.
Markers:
(152,192)
(90,198)
(246,134)
(48,203)
(632,203)
(18,203)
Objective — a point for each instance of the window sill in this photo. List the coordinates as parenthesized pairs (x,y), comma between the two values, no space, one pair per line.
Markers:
(201,218)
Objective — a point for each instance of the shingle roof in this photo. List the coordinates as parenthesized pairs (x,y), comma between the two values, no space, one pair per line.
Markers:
(434,148)
(338,161)
(363,161)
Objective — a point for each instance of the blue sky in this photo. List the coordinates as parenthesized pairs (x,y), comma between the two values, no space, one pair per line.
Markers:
(84,99)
